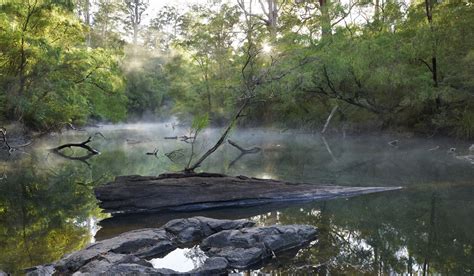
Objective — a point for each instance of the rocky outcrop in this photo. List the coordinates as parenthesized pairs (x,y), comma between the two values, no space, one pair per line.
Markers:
(228,244)
(250,246)
(192,192)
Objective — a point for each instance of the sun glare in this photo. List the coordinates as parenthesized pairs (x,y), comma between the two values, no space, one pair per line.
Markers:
(267,48)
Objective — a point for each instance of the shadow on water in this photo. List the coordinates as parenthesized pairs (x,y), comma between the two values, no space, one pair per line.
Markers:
(47,206)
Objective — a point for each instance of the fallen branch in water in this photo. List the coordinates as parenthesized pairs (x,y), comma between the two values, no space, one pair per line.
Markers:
(155,152)
(91,151)
(242,150)
(78,145)
(183,138)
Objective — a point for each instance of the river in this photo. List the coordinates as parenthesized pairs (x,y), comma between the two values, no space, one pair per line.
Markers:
(48,209)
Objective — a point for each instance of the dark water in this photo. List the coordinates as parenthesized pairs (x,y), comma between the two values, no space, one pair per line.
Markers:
(47,207)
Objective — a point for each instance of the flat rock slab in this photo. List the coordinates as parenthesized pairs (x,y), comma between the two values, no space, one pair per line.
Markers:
(228,244)
(248,247)
(193,192)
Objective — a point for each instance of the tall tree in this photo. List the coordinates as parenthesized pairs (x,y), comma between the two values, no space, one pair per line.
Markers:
(135,10)
(107,21)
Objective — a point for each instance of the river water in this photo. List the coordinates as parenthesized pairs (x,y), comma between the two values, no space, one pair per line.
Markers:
(47,206)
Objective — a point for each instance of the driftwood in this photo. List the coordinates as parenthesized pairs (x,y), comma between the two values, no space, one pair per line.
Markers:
(90,151)
(78,145)
(200,191)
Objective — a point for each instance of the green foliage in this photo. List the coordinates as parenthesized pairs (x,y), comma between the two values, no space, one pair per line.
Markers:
(57,69)
(200,122)
(50,77)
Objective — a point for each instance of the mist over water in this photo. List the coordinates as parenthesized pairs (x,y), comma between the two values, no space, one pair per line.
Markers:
(47,201)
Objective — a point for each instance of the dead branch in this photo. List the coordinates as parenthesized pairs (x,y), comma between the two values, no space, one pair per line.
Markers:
(79,145)
(91,151)
(242,150)
(329,119)
(183,138)
(190,169)
(154,153)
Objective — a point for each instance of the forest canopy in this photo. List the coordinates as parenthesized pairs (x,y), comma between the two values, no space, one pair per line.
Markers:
(385,64)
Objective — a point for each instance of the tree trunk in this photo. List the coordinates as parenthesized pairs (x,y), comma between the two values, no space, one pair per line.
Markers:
(434,65)
(325,18)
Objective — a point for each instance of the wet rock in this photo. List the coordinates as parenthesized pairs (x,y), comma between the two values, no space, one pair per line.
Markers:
(195,229)
(38,270)
(247,247)
(135,269)
(142,243)
(133,246)
(228,244)
(212,266)
(103,263)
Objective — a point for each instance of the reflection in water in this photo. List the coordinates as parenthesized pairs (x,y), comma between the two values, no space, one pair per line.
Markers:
(47,206)
(43,214)
(181,259)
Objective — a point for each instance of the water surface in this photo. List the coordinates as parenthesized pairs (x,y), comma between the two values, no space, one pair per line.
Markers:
(47,206)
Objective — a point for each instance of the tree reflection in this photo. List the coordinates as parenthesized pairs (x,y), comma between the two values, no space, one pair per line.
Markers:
(412,232)
(43,214)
